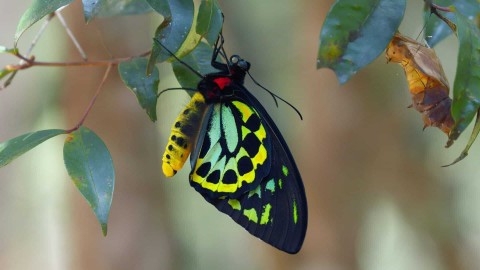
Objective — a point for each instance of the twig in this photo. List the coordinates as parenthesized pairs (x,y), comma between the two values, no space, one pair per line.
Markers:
(29,51)
(40,33)
(90,106)
(444,19)
(434,8)
(29,62)
(71,35)
(441,8)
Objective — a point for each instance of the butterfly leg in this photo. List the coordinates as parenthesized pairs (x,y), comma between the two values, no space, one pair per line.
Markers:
(219,50)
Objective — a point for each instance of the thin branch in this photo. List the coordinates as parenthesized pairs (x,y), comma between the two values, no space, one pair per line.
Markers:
(71,35)
(40,33)
(434,8)
(444,19)
(29,51)
(441,8)
(92,102)
(29,62)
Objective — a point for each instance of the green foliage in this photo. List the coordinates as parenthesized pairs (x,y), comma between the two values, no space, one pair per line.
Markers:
(182,30)
(466,89)
(86,157)
(173,31)
(4,72)
(90,166)
(38,10)
(356,32)
(105,8)
(209,21)
(473,137)
(7,50)
(18,146)
(144,87)
(436,30)
(200,60)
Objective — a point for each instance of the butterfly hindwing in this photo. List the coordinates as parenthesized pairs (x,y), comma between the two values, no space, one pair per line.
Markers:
(273,207)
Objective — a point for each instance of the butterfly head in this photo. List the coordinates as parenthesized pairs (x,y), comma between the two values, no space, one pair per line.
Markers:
(239,64)
(238,69)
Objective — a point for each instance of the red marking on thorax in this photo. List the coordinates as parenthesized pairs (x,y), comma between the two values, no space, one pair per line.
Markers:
(222,82)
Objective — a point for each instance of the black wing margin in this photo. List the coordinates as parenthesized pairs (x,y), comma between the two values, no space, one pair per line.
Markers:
(276,211)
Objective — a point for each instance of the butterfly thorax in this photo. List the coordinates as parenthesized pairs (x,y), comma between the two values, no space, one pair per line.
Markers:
(222,85)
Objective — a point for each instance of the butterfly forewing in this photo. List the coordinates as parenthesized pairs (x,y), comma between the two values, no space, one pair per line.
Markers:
(233,156)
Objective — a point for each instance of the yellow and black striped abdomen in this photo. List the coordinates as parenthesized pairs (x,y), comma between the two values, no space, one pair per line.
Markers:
(184,131)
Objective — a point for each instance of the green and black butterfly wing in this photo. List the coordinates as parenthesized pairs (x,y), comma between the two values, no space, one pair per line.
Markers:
(271,205)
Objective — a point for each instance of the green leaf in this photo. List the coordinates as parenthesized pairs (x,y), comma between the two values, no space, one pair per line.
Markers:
(209,20)
(90,166)
(473,137)
(144,87)
(13,148)
(106,8)
(466,88)
(200,60)
(7,50)
(10,78)
(174,31)
(38,10)
(356,32)
(4,72)
(436,30)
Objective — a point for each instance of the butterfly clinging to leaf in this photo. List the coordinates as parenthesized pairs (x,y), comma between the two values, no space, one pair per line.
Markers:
(240,162)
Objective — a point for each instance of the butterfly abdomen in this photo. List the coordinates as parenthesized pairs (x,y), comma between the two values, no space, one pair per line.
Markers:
(182,136)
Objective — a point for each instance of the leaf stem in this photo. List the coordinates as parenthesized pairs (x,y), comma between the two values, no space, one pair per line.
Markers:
(92,102)
(441,8)
(434,8)
(29,62)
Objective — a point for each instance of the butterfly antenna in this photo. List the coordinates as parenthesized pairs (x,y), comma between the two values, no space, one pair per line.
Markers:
(275,96)
(178,59)
(176,88)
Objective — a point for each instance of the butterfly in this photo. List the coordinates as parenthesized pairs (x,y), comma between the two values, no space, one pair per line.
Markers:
(240,162)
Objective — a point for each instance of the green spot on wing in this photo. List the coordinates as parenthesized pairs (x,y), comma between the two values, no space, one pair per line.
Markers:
(266,214)
(285,170)
(295,214)
(251,214)
(256,191)
(280,183)
(270,185)
(235,204)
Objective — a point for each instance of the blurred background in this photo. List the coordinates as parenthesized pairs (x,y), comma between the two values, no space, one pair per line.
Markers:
(378,197)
